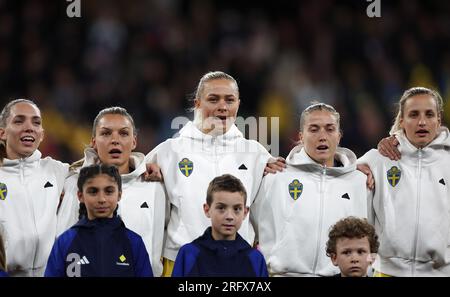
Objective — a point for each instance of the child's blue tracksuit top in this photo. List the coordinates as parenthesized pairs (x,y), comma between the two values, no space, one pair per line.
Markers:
(100,247)
(219,258)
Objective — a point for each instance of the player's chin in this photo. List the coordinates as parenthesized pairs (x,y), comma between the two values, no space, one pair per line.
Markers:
(102,214)
(355,273)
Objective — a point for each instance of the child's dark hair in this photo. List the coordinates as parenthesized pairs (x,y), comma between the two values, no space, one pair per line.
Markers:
(91,172)
(226,183)
(352,227)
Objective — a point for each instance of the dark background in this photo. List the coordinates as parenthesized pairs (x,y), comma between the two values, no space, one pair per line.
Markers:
(148,56)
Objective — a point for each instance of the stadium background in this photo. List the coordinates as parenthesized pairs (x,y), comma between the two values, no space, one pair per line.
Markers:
(148,55)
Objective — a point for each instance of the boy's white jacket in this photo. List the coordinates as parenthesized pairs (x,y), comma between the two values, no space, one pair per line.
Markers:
(142,206)
(188,164)
(295,209)
(412,216)
(30,193)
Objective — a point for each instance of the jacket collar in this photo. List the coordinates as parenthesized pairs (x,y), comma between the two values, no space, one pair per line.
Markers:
(300,159)
(114,223)
(36,156)
(136,162)
(28,163)
(410,153)
(207,241)
(192,132)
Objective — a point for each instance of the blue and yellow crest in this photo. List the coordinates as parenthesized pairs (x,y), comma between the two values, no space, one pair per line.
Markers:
(393,176)
(3,191)
(186,166)
(295,189)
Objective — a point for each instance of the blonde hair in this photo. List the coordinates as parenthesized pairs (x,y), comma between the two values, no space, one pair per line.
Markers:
(318,106)
(207,77)
(213,75)
(411,93)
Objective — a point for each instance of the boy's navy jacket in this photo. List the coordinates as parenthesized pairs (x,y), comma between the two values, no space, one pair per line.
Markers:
(100,247)
(219,258)
(3,274)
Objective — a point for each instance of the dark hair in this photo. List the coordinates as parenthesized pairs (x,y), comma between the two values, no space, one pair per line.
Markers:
(105,111)
(352,227)
(92,171)
(227,183)
(2,251)
(6,111)
(113,110)
(4,115)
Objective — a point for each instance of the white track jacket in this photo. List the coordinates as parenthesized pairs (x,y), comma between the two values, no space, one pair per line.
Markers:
(411,208)
(142,206)
(189,162)
(30,192)
(295,209)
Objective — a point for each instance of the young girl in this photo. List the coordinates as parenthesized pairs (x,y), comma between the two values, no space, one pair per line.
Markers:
(30,189)
(294,209)
(209,146)
(142,206)
(411,206)
(99,244)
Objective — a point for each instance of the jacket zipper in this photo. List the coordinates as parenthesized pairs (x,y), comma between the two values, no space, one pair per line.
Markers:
(416,232)
(216,163)
(322,182)
(31,207)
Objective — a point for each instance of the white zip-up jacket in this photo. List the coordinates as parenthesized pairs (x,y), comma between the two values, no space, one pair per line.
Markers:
(295,209)
(189,163)
(142,206)
(30,192)
(411,208)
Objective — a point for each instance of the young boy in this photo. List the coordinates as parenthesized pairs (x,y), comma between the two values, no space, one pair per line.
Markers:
(99,244)
(221,251)
(351,243)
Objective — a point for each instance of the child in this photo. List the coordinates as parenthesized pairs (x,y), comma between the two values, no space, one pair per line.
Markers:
(351,243)
(99,245)
(221,251)
(2,255)
(142,206)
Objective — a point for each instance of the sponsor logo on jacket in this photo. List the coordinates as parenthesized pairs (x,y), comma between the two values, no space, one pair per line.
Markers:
(122,261)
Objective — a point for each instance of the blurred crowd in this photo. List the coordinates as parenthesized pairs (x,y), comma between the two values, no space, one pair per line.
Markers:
(148,55)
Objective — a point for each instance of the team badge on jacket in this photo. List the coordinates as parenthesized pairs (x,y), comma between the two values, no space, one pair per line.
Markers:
(186,166)
(295,189)
(3,191)
(393,176)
